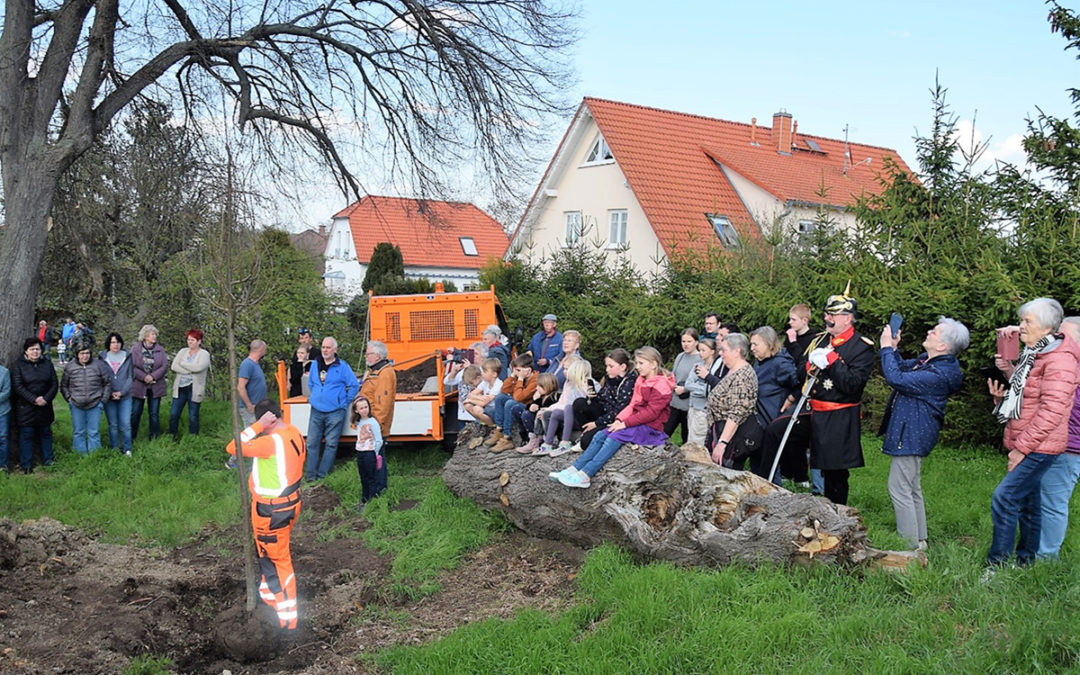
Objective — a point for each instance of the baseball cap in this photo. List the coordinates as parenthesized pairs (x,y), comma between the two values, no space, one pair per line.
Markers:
(549,317)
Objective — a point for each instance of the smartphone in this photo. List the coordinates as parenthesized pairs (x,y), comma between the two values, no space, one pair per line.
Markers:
(1008,345)
(895,321)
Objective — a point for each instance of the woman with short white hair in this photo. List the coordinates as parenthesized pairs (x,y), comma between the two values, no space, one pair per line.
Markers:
(914,415)
(1035,409)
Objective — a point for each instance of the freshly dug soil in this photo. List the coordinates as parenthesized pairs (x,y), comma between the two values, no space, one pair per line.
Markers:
(70,604)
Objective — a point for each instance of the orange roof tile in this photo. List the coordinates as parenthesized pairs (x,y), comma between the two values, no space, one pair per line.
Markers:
(669,159)
(428,238)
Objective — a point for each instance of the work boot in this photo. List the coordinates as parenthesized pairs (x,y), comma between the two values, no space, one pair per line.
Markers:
(503,445)
(494,438)
(532,444)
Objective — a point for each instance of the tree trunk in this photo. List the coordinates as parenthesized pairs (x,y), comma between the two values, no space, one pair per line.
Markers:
(27,200)
(241,469)
(666,504)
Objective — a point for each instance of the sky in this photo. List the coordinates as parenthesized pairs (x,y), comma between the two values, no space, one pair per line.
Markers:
(869,66)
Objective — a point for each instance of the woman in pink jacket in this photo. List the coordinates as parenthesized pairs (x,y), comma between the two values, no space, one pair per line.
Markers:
(640,422)
(1035,409)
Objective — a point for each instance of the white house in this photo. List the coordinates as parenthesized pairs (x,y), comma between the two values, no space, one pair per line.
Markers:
(650,183)
(441,241)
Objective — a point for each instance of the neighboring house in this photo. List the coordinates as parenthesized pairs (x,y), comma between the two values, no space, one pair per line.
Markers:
(652,183)
(312,242)
(440,241)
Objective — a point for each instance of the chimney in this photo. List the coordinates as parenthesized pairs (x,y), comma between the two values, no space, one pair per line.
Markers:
(753,132)
(795,133)
(322,231)
(781,131)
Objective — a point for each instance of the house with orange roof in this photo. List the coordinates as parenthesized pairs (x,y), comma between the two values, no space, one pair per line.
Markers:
(440,241)
(652,184)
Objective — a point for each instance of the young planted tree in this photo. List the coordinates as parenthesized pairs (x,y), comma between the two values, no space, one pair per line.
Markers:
(232,277)
(423,84)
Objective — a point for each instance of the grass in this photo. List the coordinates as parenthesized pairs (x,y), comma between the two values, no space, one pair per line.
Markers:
(428,537)
(648,618)
(658,618)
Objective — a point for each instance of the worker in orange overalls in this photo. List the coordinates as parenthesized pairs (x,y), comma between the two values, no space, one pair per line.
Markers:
(279,451)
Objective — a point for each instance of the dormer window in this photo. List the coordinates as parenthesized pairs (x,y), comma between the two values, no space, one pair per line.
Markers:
(468,246)
(599,153)
(725,231)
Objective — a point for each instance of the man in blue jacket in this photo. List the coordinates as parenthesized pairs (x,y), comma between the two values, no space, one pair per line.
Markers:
(915,413)
(546,346)
(333,386)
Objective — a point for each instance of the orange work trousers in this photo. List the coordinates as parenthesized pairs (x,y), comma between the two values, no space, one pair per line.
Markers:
(272,520)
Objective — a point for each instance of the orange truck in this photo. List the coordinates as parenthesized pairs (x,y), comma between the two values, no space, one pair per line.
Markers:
(417,329)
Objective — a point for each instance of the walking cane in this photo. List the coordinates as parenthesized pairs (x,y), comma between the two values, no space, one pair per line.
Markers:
(810,380)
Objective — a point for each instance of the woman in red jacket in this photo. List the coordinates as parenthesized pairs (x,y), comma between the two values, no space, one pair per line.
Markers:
(1035,408)
(640,422)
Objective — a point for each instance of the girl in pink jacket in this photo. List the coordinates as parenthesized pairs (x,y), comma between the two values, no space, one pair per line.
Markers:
(641,422)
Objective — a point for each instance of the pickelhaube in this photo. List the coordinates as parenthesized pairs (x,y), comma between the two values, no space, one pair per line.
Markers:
(841,304)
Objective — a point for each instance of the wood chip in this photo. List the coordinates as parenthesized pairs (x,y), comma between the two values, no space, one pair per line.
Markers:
(504,479)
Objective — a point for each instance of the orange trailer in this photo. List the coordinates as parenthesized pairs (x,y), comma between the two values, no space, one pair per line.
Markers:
(416,330)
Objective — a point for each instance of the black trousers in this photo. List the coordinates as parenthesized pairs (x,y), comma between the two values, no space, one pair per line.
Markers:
(793,462)
(676,418)
(587,410)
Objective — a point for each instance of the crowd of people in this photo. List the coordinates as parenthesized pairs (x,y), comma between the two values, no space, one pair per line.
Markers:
(788,405)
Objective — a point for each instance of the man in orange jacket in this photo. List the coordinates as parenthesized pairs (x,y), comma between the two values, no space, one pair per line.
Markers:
(278,450)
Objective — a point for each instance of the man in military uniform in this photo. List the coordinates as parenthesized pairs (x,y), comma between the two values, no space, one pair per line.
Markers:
(841,359)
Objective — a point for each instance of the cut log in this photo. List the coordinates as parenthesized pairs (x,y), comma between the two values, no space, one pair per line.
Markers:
(667,503)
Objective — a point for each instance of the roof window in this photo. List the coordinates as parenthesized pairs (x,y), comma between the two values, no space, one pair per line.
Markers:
(725,231)
(468,246)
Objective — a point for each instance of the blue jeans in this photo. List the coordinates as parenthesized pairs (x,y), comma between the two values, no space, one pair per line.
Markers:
(184,397)
(511,411)
(153,404)
(499,412)
(26,445)
(324,428)
(1057,488)
(5,430)
(85,429)
(602,448)
(816,479)
(118,415)
(1017,499)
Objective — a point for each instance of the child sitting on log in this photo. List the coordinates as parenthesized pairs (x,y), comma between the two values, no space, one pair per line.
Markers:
(546,394)
(481,402)
(562,412)
(641,422)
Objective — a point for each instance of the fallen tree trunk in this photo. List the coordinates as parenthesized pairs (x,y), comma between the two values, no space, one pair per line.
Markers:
(669,504)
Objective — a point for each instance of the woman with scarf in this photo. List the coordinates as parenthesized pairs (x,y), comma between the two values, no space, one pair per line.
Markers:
(1035,409)
(150,364)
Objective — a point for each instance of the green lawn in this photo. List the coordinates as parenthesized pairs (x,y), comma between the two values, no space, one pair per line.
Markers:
(630,617)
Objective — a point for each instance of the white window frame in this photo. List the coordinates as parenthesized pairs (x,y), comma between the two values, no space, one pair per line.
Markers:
(725,231)
(599,153)
(617,219)
(468,246)
(572,230)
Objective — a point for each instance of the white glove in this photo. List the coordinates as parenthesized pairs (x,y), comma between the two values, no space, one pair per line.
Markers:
(820,357)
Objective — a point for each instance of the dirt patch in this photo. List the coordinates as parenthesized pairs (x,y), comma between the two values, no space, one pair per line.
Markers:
(70,604)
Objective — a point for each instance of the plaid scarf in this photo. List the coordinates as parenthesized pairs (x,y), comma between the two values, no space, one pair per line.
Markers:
(1009,408)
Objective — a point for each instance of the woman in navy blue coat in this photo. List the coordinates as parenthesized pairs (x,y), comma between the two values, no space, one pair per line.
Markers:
(915,413)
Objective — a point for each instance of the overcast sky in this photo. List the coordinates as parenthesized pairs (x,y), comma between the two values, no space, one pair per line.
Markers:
(867,65)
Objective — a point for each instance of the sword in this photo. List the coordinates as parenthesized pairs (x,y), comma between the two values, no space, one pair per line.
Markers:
(811,378)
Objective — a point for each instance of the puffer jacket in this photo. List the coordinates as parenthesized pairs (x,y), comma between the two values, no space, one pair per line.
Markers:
(121,381)
(86,385)
(650,404)
(1047,401)
(30,379)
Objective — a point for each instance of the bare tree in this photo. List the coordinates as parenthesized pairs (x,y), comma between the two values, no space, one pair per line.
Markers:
(428,85)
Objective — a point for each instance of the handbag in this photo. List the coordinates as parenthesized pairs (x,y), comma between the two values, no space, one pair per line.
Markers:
(747,440)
